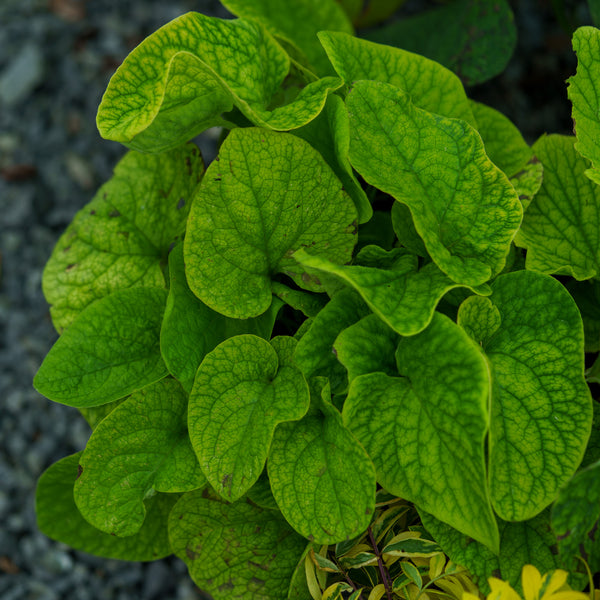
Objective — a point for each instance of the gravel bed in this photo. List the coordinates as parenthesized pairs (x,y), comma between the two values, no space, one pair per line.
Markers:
(56,57)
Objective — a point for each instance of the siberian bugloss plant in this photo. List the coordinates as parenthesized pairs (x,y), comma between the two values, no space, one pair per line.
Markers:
(345,359)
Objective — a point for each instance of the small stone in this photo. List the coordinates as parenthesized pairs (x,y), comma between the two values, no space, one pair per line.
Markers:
(22,75)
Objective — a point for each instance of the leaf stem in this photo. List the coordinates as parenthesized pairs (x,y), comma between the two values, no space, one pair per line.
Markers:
(384,573)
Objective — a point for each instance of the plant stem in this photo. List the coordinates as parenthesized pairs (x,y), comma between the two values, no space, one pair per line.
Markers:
(385,577)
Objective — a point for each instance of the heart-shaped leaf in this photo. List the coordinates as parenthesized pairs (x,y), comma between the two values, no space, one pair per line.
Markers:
(122,237)
(463,207)
(268,195)
(242,391)
(111,349)
(141,447)
(234,550)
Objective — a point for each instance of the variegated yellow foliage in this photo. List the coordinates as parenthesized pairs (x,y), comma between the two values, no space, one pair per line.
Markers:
(552,586)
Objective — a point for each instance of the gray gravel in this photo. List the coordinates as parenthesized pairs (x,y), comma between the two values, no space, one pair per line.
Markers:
(56,57)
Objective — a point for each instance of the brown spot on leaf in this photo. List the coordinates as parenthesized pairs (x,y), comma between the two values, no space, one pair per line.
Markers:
(79,471)
(114,213)
(228,585)
(191,554)
(92,212)
(70,267)
(227,482)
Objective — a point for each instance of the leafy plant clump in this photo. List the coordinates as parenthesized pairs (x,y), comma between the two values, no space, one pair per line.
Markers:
(347,358)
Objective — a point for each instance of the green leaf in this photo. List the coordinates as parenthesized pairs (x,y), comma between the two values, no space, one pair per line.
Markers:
(356,59)
(59,519)
(110,350)
(322,479)
(190,329)
(298,22)
(592,451)
(329,134)
(404,300)
(594,6)
(541,406)
(180,79)
(587,296)
(260,493)
(583,91)
(507,149)
(234,551)
(298,589)
(240,394)
(473,38)
(481,562)
(463,207)
(425,431)
(268,195)
(575,517)
(315,353)
(379,231)
(412,573)
(412,547)
(140,448)
(122,237)
(404,228)
(307,303)
(561,228)
(367,346)
(526,542)
(374,12)
(94,414)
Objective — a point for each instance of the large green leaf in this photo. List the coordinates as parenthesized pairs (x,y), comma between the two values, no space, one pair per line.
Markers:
(241,392)
(234,551)
(329,134)
(584,93)
(315,354)
(298,22)
(541,406)
(464,208)
(575,517)
(507,149)
(122,237)
(402,297)
(425,431)
(190,329)
(430,85)
(322,479)
(587,296)
(139,448)
(561,228)
(110,350)
(181,78)
(473,38)
(59,519)
(269,194)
